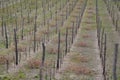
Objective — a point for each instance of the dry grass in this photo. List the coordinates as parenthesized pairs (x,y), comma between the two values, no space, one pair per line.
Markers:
(53,23)
(59,18)
(51,49)
(90,12)
(73,18)
(34,63)
(38,37)
(62,14)
(78,7)
(90,16)
(86,36)
(90,8)
(45,32)
(4,58)
(79,58)
(87,28)
(69,27)
(21,47)
(91,3)
(88,22)
(77,11)
(55,40)
(77,69)
(81,44)
(74,15)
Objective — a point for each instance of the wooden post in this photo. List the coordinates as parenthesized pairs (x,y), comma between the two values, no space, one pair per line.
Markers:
(34,39)
(21,9)
(7,65)
(16,21)
(56,20)
(48,31)
(72,32)
(117,23)
(104,57)
(66,41)
(41,75)
(66,13)
(43,55)
(46,74)
(99,33)
(16,47)
(36,8)
(22,32)
(96,11)
(6,36)
(115,62)
(101,45)
(44,16)
(50,74)
(58,56)
(43,61)
(2,24)
(28,17)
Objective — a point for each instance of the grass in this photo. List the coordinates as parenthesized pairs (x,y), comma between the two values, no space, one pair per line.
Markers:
(78,70)
(112,38)
(86,36)
(2,45)
(82,44)
(52,56)
(79,58)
